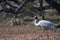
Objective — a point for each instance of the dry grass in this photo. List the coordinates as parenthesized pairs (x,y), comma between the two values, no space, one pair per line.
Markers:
(26,32)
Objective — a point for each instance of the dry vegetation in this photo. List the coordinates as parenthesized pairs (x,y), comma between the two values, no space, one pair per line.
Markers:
(27,30)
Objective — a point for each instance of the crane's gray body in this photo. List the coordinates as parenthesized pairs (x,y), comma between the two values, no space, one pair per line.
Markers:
(44,24)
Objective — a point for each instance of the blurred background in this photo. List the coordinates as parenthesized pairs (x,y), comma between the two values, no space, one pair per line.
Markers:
(21,11)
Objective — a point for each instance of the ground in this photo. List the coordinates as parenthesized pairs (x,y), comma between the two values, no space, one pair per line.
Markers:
(26,32)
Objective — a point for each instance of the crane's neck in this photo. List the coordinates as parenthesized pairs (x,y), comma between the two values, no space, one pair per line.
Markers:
(35,22)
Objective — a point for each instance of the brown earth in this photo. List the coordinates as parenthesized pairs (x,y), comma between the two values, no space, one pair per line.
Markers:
(26,33)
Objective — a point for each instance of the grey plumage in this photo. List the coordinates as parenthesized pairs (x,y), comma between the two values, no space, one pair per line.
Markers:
(45,25)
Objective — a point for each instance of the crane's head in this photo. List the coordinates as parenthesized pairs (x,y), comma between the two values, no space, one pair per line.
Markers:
(36,17)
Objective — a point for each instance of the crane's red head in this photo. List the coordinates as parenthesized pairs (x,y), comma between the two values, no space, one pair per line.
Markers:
(36,17)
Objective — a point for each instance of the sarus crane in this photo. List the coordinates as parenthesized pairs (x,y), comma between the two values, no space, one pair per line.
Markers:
(45,25)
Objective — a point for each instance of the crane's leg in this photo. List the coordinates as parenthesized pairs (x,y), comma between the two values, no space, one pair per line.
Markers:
(53,33)
(45,31)
(47,35)
(42,33)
